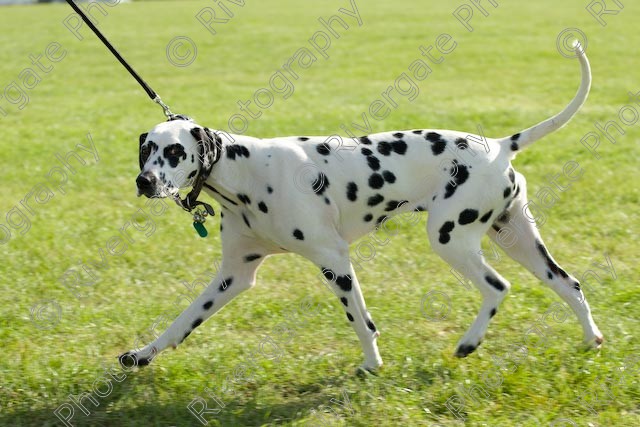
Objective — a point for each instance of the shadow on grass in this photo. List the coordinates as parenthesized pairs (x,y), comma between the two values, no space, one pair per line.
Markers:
(123,407)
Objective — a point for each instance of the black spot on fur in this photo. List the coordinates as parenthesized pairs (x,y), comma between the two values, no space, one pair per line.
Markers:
(298,234)
(394,204)
(555,268)
(381,219)
(368,217)
(517,191)
(493,312)
(344,282)
(371,326)
(549,275)
(444,231)
(320,184)
(344,301)
(503,218)
(196,323)
(389,176)
(495,282)
(398,135)
(376,181)
(486,216)
(399,147)
(350,317)
(328,273)
(323,149)
(514,142)
(512,175)
(374,200)
(185,336)
(461,143)
(244,198)
(373,162)
(467,216)
(303,138)
(207,305)
(252,257)
(365,140)
(384,148)
(507,192)
(225,284)
(366,151)
(263,207)
(269,189)
(417,131)
(192,174)
(576,286)
(437,143)
(236,150)
(174,153)
(459,175)
(246,220)
(496,228)
(352,191)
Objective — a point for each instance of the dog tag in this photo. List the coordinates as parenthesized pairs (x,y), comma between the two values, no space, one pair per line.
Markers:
(202,231)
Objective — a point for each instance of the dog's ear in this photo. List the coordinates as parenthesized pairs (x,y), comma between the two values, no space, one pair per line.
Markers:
(142,161)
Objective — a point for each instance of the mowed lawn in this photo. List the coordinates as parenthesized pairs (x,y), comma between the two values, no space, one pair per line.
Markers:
(505,75)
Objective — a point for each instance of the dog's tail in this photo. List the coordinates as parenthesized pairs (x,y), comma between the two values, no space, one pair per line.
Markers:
(517,142)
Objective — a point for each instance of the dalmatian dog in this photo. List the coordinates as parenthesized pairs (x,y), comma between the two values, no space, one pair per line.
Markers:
(469,191)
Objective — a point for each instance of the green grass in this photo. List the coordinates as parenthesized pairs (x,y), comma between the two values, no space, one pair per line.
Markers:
(506,75)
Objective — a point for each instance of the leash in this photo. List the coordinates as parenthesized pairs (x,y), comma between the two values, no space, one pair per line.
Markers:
(209,145)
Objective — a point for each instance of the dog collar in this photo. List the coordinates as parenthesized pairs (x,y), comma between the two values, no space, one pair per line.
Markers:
(209,150)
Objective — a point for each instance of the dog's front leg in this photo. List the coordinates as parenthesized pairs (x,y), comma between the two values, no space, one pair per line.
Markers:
(241,257)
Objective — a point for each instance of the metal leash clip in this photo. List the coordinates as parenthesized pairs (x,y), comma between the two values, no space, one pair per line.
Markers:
(199,218)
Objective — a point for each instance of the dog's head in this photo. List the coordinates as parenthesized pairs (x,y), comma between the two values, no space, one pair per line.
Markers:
(172,155)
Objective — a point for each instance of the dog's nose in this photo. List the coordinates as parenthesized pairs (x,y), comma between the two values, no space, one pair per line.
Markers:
(146,184)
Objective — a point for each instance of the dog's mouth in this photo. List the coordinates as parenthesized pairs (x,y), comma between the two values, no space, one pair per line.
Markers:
(148,186)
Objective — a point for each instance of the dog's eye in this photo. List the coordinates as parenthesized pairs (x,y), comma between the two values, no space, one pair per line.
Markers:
(144,153)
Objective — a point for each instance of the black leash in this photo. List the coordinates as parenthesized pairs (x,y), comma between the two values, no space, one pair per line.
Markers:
(208,144)
(152,94)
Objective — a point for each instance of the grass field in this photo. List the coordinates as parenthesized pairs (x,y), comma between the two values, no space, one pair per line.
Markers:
(505,75)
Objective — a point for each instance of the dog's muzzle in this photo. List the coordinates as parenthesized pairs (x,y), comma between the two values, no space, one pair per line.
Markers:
(147,184)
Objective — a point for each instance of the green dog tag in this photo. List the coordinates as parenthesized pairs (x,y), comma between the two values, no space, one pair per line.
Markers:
(200,229)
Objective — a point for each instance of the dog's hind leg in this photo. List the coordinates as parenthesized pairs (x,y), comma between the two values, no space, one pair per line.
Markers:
(456,236)
(521,240)
(241,257)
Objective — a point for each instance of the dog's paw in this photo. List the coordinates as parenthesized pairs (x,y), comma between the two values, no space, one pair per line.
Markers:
(594,343)
(464,350)
(369,368)
(364,372)
(130,359)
